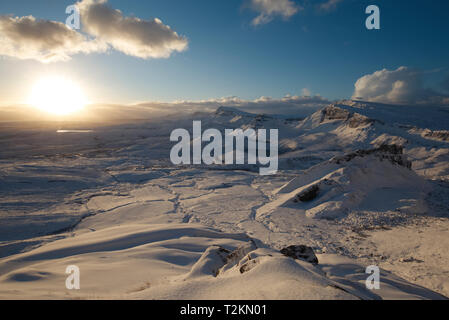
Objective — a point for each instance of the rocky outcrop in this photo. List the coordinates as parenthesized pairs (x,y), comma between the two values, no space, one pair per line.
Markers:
(392,153)
(237,255)
(300,252)
(441,135)
(334,113)
(217,260)
(308,195)
(352,119)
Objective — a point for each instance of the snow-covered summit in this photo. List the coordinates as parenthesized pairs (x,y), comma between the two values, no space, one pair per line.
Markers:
(352,182)
(230,111)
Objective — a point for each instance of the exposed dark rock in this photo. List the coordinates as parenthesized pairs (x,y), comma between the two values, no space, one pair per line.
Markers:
(411,259)
(441,135)
(308,195)
(250,264)
(300,252)
(392,153)
(357,120)
(334,113)
(354,120)
(258,121)
(241,251)
(233,258)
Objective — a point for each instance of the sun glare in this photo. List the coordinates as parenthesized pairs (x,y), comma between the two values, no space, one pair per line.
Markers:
(58,96)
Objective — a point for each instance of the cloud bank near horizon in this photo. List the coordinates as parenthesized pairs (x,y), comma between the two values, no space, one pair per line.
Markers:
(288,106)
(401,86)
(377,87)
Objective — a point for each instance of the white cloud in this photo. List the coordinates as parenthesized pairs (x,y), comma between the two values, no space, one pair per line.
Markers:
(130,35)
(42,40)
(400,86)
(329,5)
(269,9)
(104,28)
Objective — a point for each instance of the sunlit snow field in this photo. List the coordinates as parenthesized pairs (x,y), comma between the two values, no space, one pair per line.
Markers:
(107,199)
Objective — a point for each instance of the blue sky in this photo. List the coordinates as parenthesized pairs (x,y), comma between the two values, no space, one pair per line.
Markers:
(325,52)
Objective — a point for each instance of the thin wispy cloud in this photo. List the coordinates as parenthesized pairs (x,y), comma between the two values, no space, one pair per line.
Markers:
(306,92)
(271,9)
(104,28)
(329,5)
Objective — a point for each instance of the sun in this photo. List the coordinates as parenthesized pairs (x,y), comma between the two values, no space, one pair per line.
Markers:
(57,95)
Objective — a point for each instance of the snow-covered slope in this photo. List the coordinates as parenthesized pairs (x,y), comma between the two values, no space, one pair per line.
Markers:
(185,262)
(359,183)
(377,179)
